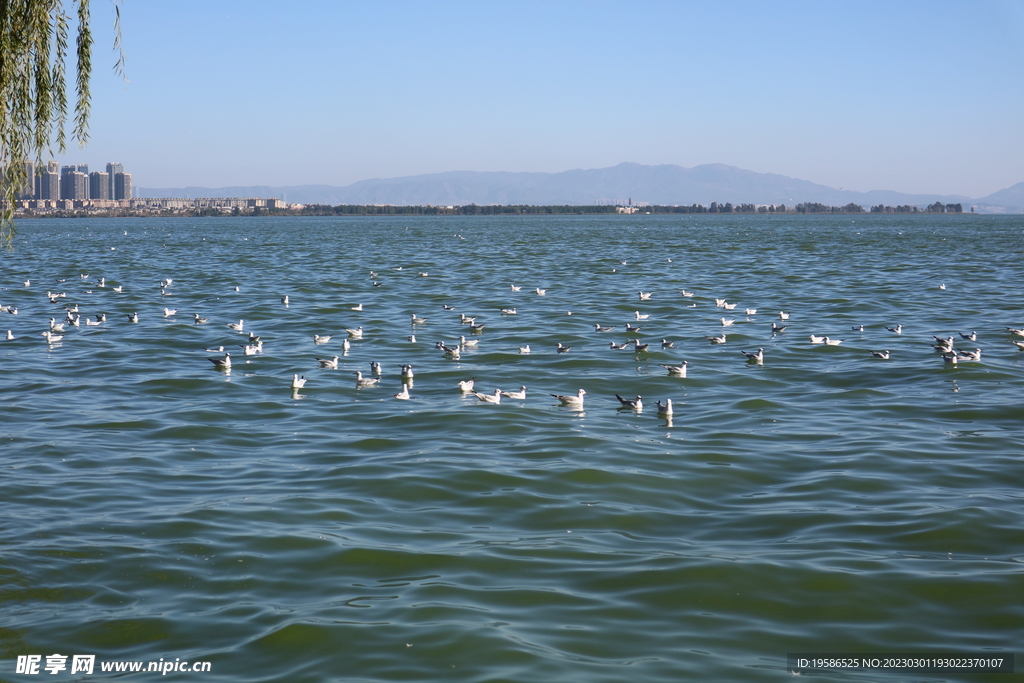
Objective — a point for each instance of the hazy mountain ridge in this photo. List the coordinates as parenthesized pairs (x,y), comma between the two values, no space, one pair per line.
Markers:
(663,184)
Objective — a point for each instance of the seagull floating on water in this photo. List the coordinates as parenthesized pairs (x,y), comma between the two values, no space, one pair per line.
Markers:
(541,292)
(676,370)
(298,382)
(727,321)
(716,340)
(641,316)
(857,328)
(833,342)
(645,296)
(524,349)
(51,337)
(10,335)
(783,316)
(321,338)
(576,400)
(973,336)
(375,368)
(598,328)
(357,333)
(237,326)
(415,320)
(664,408)
(403,394)
(407,372)
(490,398)
(518,395)
(757,356)
(357,307)
(508,311)
(748,311)
(198,319)
(884,355)
(640,348)
(466,386)
(221,363)
(514,288)
(636,404)
(616,347)
(284,300)
(563,349)
(363,382)
(685,293)
(666,344)
(817,340)
(331,363)
(778,328)
(168,312)
(898,329)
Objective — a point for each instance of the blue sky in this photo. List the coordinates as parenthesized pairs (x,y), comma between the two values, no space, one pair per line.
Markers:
(909,96)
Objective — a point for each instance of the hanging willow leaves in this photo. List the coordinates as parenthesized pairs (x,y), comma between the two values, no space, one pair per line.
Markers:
(33,98)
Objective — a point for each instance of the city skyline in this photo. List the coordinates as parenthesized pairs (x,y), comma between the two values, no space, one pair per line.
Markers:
(54,181)
(914,97)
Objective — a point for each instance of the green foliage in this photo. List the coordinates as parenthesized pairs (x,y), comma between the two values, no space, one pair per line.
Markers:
(33,98)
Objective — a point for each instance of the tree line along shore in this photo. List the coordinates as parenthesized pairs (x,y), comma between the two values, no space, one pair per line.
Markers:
(492,210)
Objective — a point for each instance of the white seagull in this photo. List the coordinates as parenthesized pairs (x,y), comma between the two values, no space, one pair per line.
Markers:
(362,382)
(490,398)
(331,363)
(168,312)
(898,329)
(415,320)
(357,307)
(404,393)
(519,395)
(783,316)
(466,386)
(237,326)
(665,408)
(645,296)
(636,404)
(833,342)
(133,318)
(221,363)
(598,328)
(563,349)
(357,333)
(576,400)
(728,321)
(407,372)
(524,349)
(716,340)
(198,319)
(541,292)
(676,370)
(757,356)
(817,340)
(298,382)
(641,316)
(321,338)
(514,288)
(884,355)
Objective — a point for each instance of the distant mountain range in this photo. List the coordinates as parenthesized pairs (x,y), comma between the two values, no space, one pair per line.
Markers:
(665,184)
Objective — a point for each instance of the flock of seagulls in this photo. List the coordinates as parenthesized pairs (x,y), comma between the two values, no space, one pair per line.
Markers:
(254,346)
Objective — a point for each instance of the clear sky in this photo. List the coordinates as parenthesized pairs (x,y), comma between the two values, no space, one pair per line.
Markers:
(907,95)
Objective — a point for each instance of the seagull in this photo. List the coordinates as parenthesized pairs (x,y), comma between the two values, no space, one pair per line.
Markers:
(447,307)
(716,340)
(345,346)
(373,275)
(748,311)
(778,328)
(331,363)
(411,337)
(719,303)
(468,342)
(467,320)
(28,283)
(133,318)
(563,349)
(477,327)
(357,333)
(576,400)
(514,288)
(56,326)
(518,395)
(415,320)
(407,372)
(1019,345)
(616,347)
(453,352)
(221,363)
(598,328)
(942,286)
(237,289)
(466,386)
(783,316)
(508,311)
(817,340)
(833,342)
(884,355)
(640,348)
(665,408)
(1018,332)
(357,307)
(321,338)
(636,404)
(685,293)
(757,357)
(676,370)
(298,382)
(973,336)
(362,382)
(198,319)
(378,284)
(541,292)
(375,368)
(219,349)
(119,289)
(404,393)
(93,323)
(898,329)
(10,335)
(284,299)
(727,321)
(237,326)
(666,344)
(645,296)
(951,358)
(74,321)
(641,316)
(632,328)
(524,349)
(51,337)
(970,355)
(422,274)
(168,312)
(249,349)
(729,307)
(490,398)
(857,328)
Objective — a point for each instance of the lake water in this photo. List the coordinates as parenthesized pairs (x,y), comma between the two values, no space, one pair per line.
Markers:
(826,500)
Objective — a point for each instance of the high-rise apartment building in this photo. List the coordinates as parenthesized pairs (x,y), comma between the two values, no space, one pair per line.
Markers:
(112,170)
(48,182)
(123,186)
(74,183)
(99,185)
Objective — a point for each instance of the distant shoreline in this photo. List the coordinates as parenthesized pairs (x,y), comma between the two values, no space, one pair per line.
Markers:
(714,208)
